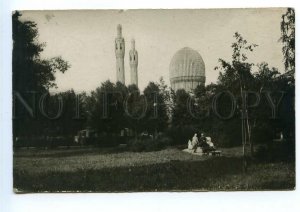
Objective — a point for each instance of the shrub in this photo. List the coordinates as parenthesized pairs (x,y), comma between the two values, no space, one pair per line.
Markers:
(148,144)
(181,135)
(275,152)
(262,136)
(107,141)
(228,140)
(261,153)
(44,141)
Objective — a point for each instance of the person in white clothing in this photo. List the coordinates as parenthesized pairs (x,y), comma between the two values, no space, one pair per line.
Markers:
(195,142)
(190,146)
(211,146)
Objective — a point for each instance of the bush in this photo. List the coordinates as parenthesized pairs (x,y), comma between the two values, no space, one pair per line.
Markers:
(107,141)
(262,136)
(181,135)
(261,153)
(275,152)
(228,140)
(148,144)
(44,141)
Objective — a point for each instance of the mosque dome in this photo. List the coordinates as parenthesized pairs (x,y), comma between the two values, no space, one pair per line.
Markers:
(187,69)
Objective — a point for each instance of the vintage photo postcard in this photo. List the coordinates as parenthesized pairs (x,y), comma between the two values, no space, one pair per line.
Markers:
(153,100)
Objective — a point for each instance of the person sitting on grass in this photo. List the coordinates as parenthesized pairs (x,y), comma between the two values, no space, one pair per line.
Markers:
(190,146)
(195,142)
(203,144)
(202,140)
(211,146)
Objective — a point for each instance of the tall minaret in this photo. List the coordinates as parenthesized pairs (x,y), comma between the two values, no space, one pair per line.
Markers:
(120,52)
(133,61)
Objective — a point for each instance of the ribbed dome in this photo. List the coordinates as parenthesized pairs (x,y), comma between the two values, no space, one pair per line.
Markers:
(187,62)
(187,69)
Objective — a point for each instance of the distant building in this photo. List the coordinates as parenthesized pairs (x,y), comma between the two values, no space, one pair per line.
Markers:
(187,70)
(133,61)
(120,52)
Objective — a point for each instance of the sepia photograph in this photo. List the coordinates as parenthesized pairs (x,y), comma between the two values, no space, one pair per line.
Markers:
(153,100)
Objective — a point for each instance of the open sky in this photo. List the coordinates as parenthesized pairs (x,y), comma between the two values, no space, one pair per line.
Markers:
(85,38)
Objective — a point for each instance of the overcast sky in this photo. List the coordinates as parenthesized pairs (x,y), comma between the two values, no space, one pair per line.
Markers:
(86,40)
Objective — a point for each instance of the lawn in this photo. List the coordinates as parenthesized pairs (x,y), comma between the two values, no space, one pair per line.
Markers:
(108,170)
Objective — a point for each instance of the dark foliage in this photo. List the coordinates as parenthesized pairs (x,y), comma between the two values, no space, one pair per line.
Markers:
(32,75)
(148,144)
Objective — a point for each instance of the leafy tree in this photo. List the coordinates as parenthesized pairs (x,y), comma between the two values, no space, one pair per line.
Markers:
(105,107)
(201,104)
(180,116)
(182,123)
(166,93)
(30,71)
(156,117)
(32,75)
(288,40)
(73,114)
(135,107)
(237,78)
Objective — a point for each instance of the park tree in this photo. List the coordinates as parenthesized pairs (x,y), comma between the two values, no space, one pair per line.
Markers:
(266,80)
(32,75)
(67,120)
(156,117)
(288,78)
(105,107)
(237,77)
(167,96)
(180,116)
(182,123)
(288,40)
(135,108)
(30,71)
(113,107)
(200,107)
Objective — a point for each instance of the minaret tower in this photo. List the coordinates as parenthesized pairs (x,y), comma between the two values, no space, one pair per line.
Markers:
(120,52)
(133,61)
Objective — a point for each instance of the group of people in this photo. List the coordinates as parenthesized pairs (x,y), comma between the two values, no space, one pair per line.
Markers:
(203,142)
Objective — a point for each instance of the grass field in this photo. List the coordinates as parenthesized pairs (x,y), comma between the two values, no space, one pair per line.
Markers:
(108,170)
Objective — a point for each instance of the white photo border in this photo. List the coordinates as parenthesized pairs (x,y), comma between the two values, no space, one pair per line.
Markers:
(164,201)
